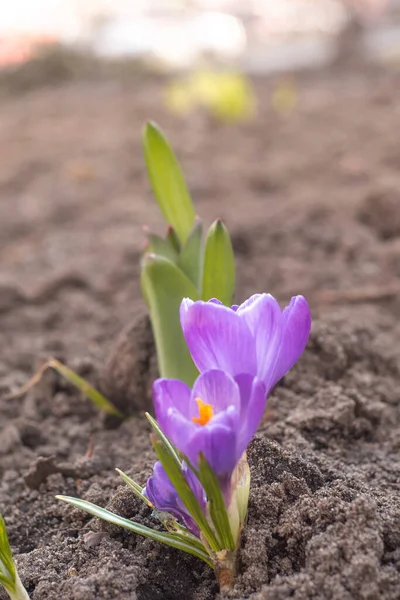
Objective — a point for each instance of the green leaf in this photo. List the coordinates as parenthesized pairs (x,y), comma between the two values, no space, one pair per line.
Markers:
(88,390)
(216,504)
(81,384)
(191,256)
(6,583)
(185,493)
(6,559)
(173,526)
(219,265)
(159,536)
(160,246)
(164,286)
(135,487)
(9,577)
(170,523)
(173,239)
(161,435)
(167,181)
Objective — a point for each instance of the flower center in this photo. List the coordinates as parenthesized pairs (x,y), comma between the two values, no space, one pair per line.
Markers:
(205,413)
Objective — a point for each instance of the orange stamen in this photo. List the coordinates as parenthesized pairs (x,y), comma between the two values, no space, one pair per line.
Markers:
(205,413)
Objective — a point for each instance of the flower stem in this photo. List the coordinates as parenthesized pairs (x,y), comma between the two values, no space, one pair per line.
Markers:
(20,592)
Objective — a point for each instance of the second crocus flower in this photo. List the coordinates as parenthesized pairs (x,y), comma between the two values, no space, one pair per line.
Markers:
(218,418)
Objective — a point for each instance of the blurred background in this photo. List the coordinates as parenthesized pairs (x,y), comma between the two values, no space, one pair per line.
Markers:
(284,114)
(258,35)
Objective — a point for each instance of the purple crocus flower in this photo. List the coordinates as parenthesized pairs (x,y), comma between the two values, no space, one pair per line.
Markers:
(218,417)
(160,491)
(256,337)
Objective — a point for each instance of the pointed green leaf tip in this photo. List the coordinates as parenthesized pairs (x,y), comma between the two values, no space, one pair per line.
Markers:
(161,246)
(7,567)
(163,287)
(167,181)
(9,577)
(219,265)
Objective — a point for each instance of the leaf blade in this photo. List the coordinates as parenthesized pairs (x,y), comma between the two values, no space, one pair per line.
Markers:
(164,286)
(216,503)
(190,260)
(161,246)
(184,491)
(81,384)
(163,438)
(5,553)
(170,523)
(158,536)
(84,386)
(135,487)
(219,265)
(167,181)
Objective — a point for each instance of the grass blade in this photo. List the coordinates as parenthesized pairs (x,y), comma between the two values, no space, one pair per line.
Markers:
(87,390)
(159,536)
(81,384)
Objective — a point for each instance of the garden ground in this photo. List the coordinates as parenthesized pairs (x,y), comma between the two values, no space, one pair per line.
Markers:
(313,203)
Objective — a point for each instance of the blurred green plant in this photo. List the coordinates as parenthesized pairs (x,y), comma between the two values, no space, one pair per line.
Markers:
(9,577)
(284,98)
(173,267)
(81,384)
(227,96)
(179,265)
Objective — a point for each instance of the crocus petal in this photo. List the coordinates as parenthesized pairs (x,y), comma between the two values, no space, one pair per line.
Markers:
(217,338)
(263,317)
(296,325)
(195,486)
(247,303)
(254,397)
(218,444)
(170,393)
(177,428)
(228,418)
(216,388)
(244,381)
(200,496)
(160,491)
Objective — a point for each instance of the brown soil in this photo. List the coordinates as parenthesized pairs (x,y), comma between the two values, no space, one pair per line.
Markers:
(313,202)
